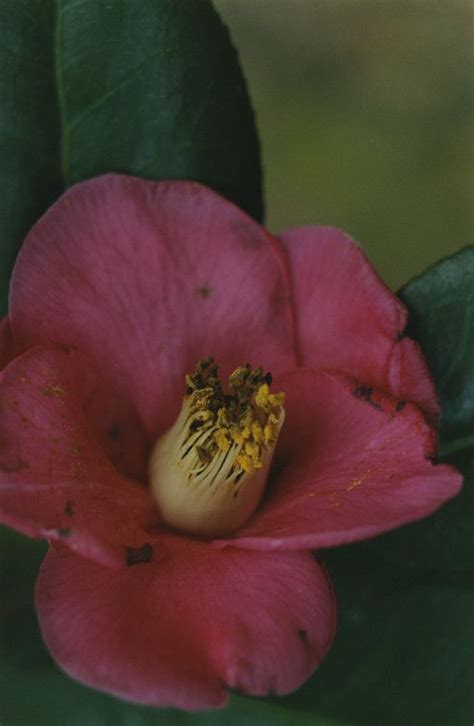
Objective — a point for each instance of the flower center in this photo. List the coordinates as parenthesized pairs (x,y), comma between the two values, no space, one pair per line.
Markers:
(209,471)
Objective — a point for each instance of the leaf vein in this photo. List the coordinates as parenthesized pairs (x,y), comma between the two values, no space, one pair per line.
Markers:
(111,92)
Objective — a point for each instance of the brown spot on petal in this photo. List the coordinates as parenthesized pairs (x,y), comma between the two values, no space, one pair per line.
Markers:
(303,636)
(204,291)
(64,532)
(68,349)
(137,555)
(69,509)
(365,394)
(113,432)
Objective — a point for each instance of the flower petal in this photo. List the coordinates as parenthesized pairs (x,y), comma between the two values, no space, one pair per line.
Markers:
(409,378)
(347,319)
(148,278)
(7,344)
(351,463)
(55,479)
(181,628)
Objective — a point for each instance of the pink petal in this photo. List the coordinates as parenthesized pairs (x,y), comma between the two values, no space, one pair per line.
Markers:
(7,344)
(351,463)
(148,278)
(409,378)
(55,478)
(182,628)
(348,320)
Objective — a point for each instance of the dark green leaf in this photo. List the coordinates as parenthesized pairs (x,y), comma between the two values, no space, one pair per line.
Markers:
(154,88)
(151,88)
(441,305)
(30,176)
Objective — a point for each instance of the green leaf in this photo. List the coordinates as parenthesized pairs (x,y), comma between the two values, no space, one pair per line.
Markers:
(30,176)
(441,305)
(152,88)
(403,651)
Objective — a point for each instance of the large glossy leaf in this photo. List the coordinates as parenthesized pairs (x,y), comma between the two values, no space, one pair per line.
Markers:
(152,88)
(403,651)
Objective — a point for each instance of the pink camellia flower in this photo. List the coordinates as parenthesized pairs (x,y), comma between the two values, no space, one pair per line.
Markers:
(182,511)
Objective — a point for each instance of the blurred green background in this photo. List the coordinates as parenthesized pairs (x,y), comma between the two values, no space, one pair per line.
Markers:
(364,109)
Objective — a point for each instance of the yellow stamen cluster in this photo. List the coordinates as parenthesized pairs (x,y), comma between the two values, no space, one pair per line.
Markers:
(208,472)
(246,419)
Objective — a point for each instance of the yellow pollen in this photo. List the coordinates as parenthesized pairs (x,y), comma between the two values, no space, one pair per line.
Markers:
(221,437)
(246,420)
(252,450)
(237,437)
(268,401)
(257,432)
(276,399)
(246,432)
(261,397)
(245,462)
(268,433)
(209,471)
